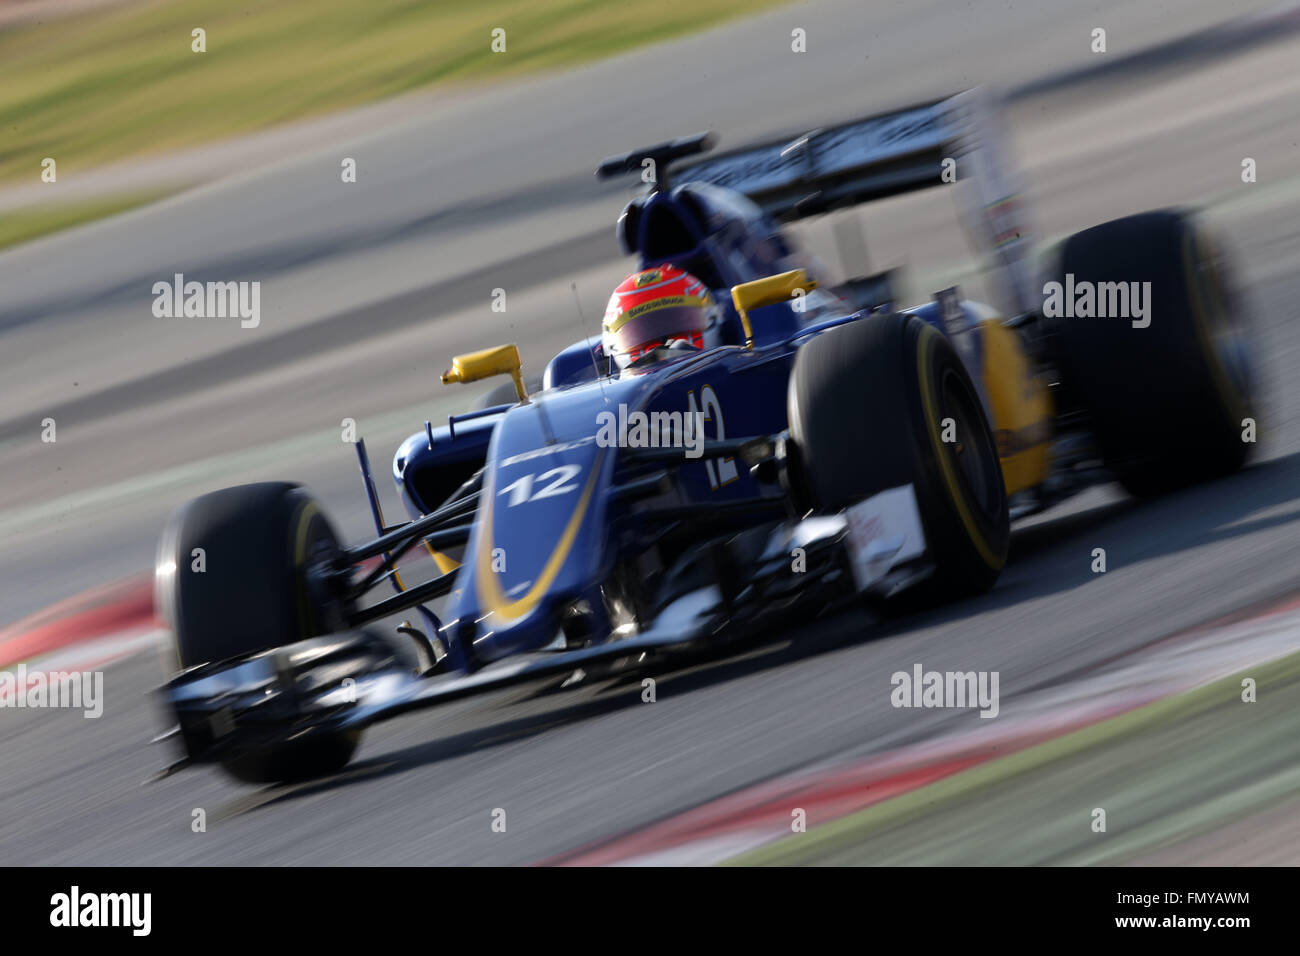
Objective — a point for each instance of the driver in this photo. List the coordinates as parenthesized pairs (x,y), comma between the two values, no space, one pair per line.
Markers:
(660,308)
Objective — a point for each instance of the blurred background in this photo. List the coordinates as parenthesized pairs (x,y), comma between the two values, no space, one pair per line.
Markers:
(475,172)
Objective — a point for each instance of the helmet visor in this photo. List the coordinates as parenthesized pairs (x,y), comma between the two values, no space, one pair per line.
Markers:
(659,325)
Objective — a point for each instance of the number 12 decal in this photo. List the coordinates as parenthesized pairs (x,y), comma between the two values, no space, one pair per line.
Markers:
(723,472)
(521,489)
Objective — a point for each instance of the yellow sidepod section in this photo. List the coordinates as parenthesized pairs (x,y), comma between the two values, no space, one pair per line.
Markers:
(1022,407)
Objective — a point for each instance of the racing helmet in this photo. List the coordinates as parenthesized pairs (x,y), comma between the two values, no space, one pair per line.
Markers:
(662,307)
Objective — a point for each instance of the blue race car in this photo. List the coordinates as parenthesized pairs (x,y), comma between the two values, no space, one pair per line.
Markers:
(738,450)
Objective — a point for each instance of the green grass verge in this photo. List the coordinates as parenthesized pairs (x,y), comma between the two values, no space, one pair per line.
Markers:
(123,81)
(31,222)
(1163,772)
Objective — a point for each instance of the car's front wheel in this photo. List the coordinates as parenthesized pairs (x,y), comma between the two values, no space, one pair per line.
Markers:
(871,404)
(231,581)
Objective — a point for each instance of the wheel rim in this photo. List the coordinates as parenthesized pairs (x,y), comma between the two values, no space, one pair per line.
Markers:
(1227,328)
(973,453)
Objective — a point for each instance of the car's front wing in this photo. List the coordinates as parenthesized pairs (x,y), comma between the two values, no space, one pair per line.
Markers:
(346,681)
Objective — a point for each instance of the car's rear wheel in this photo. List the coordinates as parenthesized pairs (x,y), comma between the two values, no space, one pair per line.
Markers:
(868,404)
(1170,399)
(231,581)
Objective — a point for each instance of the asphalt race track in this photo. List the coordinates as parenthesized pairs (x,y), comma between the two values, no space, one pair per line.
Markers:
(368,293)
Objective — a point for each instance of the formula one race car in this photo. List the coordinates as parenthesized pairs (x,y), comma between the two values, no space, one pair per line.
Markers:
(852,450)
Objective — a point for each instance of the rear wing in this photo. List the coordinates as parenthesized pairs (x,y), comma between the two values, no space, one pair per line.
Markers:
(836,166)
(958,140)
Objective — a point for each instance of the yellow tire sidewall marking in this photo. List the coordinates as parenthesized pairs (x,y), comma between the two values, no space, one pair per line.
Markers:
(1233,404)
(925,346)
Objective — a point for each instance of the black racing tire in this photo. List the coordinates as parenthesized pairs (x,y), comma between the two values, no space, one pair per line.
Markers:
(866,402)
(1167,402)
(250,596)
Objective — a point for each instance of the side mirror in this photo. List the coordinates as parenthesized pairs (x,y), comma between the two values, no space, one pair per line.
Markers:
(768,291)
(502,360)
